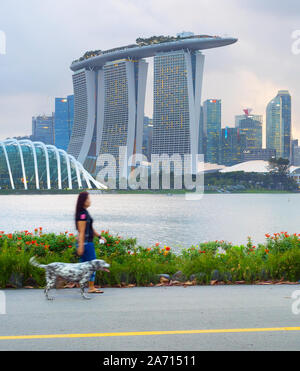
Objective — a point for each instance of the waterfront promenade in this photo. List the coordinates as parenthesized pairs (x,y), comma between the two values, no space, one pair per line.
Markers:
(257,317)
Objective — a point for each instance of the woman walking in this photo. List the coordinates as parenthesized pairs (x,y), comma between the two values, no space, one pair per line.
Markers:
(86,234)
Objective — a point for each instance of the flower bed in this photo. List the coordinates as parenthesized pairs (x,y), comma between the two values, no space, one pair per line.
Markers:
(219,262)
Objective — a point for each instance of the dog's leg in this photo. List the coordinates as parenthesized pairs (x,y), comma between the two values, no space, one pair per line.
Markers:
(82,284)
(51,281)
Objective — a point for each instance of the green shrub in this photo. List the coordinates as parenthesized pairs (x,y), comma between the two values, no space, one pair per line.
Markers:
(278,258)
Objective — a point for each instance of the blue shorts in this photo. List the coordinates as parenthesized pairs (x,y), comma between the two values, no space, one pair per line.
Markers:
(89,255)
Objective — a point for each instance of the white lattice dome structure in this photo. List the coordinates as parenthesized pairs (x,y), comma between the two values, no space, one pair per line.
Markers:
(33,165)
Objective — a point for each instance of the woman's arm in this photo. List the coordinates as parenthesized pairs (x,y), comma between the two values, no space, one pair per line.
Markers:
(99,236)
(96,234)
(81,237)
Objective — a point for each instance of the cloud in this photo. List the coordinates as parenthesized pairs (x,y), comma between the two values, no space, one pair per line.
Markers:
(290,8)
(43,38)
(17,111)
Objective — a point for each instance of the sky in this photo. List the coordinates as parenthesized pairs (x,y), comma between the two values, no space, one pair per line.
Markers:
(44,37)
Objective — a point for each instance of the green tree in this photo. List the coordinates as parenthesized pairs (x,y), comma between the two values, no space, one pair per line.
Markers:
(279,166)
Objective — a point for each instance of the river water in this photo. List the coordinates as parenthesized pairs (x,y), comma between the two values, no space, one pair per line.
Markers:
(172,221)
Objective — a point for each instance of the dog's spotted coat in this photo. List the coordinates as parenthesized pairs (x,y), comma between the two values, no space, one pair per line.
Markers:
(77,273)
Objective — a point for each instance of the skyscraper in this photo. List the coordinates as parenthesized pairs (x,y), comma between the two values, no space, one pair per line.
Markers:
(251,126)
(43,129)
(212,117)
(177,102)
(252,129)
(279,126)
(122,88)
(294,150)
(232,145)
(247,114)
(64,117)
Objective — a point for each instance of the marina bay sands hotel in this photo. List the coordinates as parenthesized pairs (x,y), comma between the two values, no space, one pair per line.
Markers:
(110,91)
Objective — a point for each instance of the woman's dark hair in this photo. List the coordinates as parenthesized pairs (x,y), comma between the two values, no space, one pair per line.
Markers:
(80,205)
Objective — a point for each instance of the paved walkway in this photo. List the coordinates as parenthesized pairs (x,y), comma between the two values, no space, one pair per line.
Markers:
(153,319)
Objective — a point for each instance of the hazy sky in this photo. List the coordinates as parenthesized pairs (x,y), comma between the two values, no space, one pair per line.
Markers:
(43,37)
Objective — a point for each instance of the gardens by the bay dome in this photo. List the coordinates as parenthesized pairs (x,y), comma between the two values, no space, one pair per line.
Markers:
(27,165)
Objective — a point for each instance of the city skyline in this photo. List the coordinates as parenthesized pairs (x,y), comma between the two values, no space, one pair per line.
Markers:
(256,68)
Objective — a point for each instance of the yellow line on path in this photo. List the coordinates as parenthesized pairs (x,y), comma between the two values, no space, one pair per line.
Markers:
(150,333)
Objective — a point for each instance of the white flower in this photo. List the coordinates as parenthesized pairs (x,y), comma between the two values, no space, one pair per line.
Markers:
(221,251)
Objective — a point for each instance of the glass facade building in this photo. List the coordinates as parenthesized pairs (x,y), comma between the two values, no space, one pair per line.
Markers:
(258,154)
(252,130)
(177,102)
(248,114)
(64,117)
(33,165)
(279,125)
(43,129)
(212,117)
(232,145)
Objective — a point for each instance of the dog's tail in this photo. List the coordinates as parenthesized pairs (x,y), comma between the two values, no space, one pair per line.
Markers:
(35,263)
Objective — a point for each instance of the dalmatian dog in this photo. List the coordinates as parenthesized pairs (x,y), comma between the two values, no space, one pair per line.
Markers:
(77,273)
